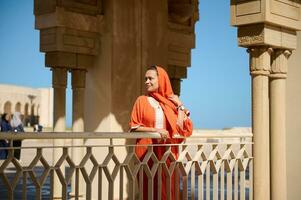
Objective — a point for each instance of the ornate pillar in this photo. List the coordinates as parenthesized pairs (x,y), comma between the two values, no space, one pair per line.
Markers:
(260,70)
(59,83)
(278,123)
(271,23)
(69,37)
(78,90)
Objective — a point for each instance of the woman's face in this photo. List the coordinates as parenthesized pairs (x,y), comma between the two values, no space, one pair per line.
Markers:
(7,117)
(151,81)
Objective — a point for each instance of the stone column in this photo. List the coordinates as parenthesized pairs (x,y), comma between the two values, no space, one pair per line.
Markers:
(78,90)
(260,68)
(59,83)
(278,125)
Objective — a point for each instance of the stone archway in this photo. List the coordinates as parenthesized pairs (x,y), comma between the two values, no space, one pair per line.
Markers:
(18,107)
(7,107)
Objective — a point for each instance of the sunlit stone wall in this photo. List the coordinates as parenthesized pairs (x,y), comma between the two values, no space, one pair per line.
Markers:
(293,124)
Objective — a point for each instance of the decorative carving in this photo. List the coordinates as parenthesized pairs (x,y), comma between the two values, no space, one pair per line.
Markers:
(260,60)
(251,35)
(266,35)
(280,63)
(59,77)
(256,39)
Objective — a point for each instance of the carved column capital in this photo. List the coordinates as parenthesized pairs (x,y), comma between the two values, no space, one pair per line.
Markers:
(260,57)
(59,77)
(279,65)
(78,78)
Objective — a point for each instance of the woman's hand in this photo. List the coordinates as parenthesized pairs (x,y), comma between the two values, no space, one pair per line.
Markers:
(164,133)
(175,99)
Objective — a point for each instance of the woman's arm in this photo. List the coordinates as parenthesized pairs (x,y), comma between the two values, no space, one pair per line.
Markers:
(182,116)
(164,133)
(144,129)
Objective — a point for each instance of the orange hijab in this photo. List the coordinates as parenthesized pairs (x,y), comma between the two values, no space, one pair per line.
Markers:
(169,108)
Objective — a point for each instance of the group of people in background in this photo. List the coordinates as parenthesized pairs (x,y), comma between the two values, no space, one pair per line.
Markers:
(11,123)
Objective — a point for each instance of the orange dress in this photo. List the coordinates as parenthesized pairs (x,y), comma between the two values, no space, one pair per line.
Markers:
(157,111)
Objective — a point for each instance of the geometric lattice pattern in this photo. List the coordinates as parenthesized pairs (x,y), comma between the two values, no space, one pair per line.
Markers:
(202,170)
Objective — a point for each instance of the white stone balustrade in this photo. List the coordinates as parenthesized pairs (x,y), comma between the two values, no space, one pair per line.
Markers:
(209,166)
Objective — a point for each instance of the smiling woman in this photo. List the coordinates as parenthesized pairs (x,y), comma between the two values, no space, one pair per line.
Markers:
(159,111)
(151,79)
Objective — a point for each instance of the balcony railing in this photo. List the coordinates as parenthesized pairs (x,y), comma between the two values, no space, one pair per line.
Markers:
(209,166)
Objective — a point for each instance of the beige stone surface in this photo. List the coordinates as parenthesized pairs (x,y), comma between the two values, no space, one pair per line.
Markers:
(46,105)
(259,68)
(277,96)
(283,13)
(293,99)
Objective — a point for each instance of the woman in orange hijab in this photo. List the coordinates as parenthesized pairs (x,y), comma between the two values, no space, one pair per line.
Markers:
(159,111)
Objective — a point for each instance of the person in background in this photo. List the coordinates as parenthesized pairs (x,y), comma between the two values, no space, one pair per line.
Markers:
(5,127)
(160,110)
(17,127)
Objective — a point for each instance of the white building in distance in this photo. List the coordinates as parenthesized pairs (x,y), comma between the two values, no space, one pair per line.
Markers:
(35,105)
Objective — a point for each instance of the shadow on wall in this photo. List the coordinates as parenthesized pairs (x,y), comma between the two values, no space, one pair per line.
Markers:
(112,85)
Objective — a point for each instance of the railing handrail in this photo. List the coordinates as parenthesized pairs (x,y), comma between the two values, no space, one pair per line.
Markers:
(221,134)
(115,135)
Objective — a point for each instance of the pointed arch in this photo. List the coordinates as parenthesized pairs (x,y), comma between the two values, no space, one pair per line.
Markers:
(7,107)
(18,107)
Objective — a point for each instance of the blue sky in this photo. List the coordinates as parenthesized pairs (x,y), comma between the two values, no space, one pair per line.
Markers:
(218,88)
